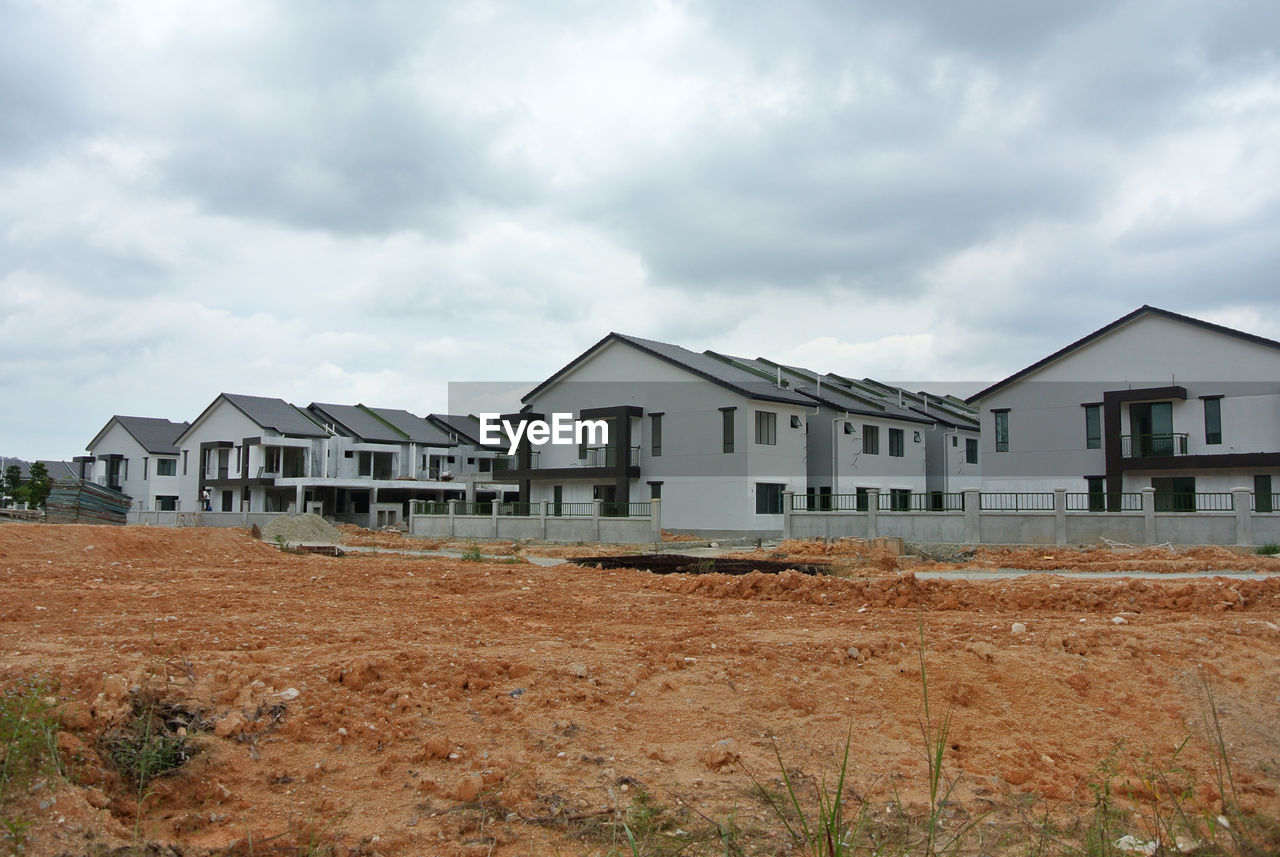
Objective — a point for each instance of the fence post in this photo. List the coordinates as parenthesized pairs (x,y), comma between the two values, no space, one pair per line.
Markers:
(453,510)
(788,497)
(493,513)
(542,515)
(1244,525)
(1060,516)
(873,512)
(595,516)
(972,519)
(1149,515)
(655,519)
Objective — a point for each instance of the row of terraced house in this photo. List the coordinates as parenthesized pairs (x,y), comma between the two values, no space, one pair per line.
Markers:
(1153,414)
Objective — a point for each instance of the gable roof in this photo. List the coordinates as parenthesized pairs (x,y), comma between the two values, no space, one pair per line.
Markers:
(1143,310)
(731,377)
(59,469)
(266,413)
(464,427)
(355,420)
(154,434)
(413,427)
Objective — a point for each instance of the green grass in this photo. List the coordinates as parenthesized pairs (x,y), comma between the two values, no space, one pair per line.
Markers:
(28,748)
(472,553)
(1269,549)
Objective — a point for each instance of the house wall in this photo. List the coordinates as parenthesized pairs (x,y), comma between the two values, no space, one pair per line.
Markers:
(140,482)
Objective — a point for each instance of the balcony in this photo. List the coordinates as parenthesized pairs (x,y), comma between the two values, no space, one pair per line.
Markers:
(1152,445)
(503,463)
(607,456)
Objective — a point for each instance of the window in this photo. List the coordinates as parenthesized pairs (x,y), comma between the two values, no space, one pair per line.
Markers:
(1213,421)
(766,428)
(915,437)
(795,421)
(726,428)
(954,441)
(655,434)
(1002,430)
(769,498)
(861,499)
(1097,493)
(900,499)
(184,462)
(848,428)
(1093,426)
(871,440)
(486,465)
(166,467)
(167,503)
(895,443)
(655,490)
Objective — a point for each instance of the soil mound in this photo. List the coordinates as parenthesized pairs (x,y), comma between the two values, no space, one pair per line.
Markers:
(301,528)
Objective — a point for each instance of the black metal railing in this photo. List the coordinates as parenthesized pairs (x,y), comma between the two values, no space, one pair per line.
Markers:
(1152,445)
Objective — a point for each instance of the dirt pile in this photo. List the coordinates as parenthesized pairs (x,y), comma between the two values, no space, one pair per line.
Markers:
(1150,559)
(301,528)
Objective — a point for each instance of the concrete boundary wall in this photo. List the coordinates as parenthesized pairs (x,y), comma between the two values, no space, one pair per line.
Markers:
(1051,527)
(541,526)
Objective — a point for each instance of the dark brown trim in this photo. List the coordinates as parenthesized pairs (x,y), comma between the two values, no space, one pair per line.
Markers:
(1120,322)
(1112,453)
(1204,461)
(1214,396)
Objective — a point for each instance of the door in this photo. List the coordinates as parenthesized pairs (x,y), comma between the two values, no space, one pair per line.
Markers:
(1151,428)
(557,500)
(1175,493)
(1263,500)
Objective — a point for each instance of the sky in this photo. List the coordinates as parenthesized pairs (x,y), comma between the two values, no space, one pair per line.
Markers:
(362,202)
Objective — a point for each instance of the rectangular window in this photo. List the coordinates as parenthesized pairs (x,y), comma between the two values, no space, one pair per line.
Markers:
(166,503)
(970,450)
(795,421)
(166,467)
(871,440)
(848,428)
(1097,493)
(895,443)
(184,462)
(766,428)
(1213,421)
(655,434)
(900,499)
(486,465)
(1002,430)
(1093,426)
(365,464)
(726,429)
(144,467)
(655,490)
(769,498)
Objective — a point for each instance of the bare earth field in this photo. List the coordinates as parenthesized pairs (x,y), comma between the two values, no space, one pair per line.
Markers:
(407,705)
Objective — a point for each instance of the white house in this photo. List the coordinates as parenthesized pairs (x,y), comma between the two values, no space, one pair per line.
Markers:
(139,457)
(717,444)
(1153,399)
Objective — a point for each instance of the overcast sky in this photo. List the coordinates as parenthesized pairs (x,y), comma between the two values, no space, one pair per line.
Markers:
(360,202)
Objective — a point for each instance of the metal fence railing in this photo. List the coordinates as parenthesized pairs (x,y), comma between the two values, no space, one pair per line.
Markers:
(625,510)
(1016,501)
(1201,501)
(1100,501)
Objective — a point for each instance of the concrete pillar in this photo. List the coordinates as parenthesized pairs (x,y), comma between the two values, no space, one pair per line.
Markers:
(493,513)
(595,516)
(1059,516)
(453,513)
(655,520)
(471,491)
(1149,516)
(299,499)
(972,516)
(542,516)
(873,512)
(787,498)
(1244,521)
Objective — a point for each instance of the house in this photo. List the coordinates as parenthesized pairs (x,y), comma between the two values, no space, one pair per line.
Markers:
(353,463)
(716,443)
(1154,399)
(137,456)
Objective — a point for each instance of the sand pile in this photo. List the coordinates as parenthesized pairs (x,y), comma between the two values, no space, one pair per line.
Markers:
(301,528)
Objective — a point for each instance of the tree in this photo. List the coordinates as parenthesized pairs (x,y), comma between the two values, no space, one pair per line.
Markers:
(13,482)
(38,486)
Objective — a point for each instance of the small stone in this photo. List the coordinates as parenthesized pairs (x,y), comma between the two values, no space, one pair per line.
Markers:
(854,653)
(1018,628)
(289,694)
(1119,620)
(469,787)
(580,670)
(720,755)
(114,687)
(229,725)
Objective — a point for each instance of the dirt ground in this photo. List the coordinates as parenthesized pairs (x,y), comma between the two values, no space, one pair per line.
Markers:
(405,705)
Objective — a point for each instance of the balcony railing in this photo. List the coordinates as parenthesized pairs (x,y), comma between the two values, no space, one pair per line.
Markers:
(511,462)
(1152,445)
(607,456)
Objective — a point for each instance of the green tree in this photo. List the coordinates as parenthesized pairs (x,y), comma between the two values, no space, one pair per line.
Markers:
(13,483)
(39,485)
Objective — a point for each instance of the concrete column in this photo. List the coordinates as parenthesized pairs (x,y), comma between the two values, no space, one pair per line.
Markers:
(873,512)
(1149,515)
(299,500)
(493,513)
(542,515)
(1060,516)
(471,490)
(787,498)
(655,520)
(595,516)
(453,512)
(1244,521)
(972,516)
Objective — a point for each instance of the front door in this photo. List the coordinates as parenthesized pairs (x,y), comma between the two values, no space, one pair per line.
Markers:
(1151,427)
